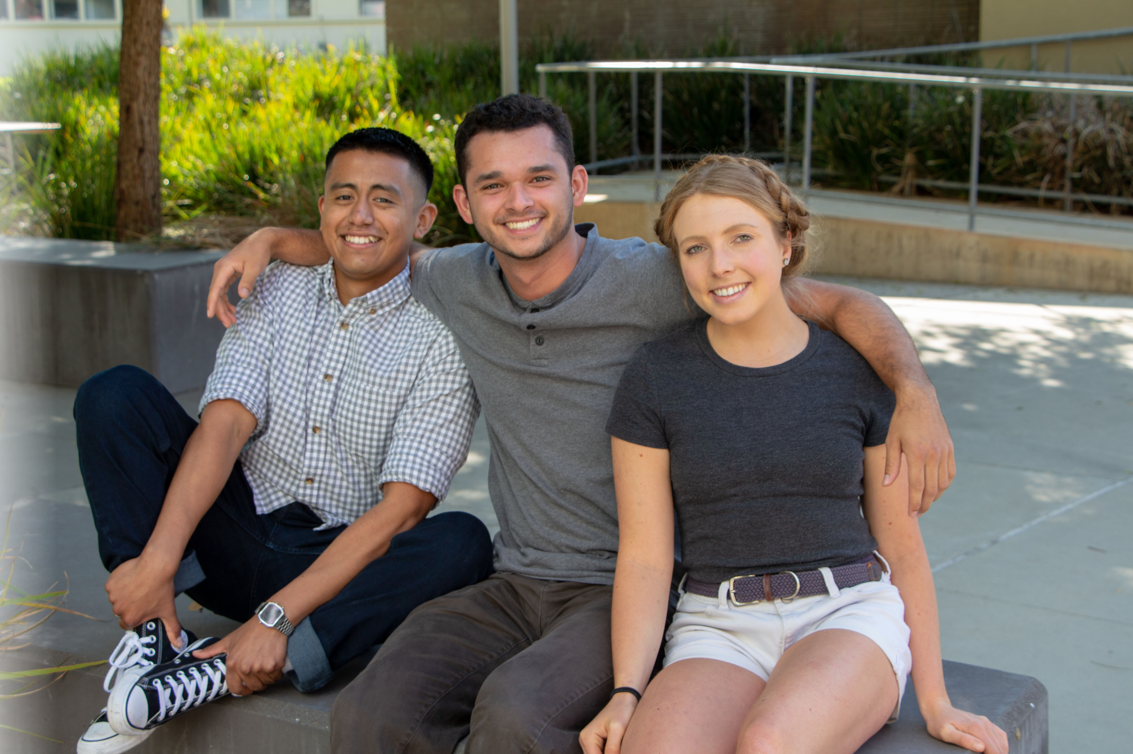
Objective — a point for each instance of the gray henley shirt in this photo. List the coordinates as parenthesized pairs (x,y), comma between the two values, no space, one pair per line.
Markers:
(545,372)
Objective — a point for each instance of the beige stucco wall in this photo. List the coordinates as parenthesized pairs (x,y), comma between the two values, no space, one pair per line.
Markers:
(864,248)
(1006,19)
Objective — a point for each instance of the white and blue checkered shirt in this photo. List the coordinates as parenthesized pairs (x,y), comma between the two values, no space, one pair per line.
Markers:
(346,398)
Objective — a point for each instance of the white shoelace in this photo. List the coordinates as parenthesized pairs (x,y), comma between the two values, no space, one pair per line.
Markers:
(184,690)
(131,650)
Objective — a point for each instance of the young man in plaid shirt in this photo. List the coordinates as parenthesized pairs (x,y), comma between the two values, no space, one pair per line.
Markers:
(337,413)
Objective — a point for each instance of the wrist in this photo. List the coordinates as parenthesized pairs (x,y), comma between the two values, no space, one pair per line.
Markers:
(916,390)
(158,561)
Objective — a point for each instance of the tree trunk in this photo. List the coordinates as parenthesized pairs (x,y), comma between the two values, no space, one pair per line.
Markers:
(137,189)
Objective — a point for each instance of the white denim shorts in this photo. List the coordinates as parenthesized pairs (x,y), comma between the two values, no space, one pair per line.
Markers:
(754,637)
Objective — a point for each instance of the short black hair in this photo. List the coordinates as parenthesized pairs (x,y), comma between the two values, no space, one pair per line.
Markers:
(513,112)
(387,141)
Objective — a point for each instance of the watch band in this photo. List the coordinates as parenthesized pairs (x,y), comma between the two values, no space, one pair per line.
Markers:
(281,623)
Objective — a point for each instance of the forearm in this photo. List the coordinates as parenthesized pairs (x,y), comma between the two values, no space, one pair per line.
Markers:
(641,599)
(913,578)
(296,246)
(865,322)
(403,506)
(204,468)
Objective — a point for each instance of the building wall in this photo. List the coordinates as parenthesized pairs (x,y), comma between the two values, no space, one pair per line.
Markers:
(1006,19)
(333,22)
(675,27)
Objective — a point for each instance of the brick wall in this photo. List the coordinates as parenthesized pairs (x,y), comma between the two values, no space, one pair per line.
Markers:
(675,27)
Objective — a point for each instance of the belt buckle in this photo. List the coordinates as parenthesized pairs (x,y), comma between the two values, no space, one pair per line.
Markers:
(798,586)
(732,592)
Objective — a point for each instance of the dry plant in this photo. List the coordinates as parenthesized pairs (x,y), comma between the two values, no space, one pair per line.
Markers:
(20,613)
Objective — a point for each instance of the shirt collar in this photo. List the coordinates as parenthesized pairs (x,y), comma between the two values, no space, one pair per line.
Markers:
(393,293)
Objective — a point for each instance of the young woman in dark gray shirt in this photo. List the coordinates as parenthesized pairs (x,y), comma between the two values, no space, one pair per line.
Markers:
(808,597)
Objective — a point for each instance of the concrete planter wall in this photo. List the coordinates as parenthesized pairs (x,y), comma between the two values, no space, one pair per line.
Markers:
(69,309)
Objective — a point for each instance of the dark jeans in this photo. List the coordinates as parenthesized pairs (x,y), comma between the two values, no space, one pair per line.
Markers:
(516,664)
(131,433)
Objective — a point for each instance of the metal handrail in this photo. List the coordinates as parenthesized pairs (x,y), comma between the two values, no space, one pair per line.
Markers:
(1077,36)
(1033,81)
(16,127)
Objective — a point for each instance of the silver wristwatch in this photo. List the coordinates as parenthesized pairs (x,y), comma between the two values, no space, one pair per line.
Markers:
(271,615)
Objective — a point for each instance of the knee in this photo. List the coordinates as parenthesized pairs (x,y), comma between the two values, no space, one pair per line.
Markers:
(464,541)
(100,399)
(763,737)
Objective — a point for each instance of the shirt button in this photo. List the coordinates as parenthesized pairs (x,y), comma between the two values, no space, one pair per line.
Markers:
(309,480)
(373,310)
(316,430)
(327,378)
(344,325)
(535,310)
(539,340)
(531,327)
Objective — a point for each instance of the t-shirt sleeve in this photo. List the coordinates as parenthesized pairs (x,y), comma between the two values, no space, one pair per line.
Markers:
(879,406)
(636,414)
(426,278)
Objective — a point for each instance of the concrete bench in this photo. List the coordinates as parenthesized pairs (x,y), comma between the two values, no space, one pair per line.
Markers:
(69,309)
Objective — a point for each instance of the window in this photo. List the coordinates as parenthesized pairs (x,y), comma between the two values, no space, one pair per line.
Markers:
(214,9)
(99,10)
(31,10)
(372,8)
(65,9)
(253,9)
(3,10)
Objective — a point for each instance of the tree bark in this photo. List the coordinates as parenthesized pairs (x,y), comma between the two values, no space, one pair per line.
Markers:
(137,188)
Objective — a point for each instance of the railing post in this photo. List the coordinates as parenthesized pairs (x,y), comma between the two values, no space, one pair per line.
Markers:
(633,115)
(11,155)
(912,101)
(747,112)
(1071,145)
(1034,57)
(807,132)
(542,85)
(592,98)
(974,165)
(788,113)
(657,136)
(1068,56)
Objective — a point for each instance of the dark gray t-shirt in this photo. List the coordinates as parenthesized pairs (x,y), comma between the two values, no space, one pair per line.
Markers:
(766,464)
(545,372)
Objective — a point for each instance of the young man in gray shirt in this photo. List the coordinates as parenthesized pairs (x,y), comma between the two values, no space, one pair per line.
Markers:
(546,314)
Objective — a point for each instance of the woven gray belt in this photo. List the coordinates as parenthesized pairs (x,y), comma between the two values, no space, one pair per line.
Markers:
(786,586)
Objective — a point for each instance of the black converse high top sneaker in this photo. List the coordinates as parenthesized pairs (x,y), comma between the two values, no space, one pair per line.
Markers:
(147,697)
(147,645)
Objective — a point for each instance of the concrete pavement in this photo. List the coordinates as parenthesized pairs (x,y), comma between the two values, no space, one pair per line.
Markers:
(1031,546)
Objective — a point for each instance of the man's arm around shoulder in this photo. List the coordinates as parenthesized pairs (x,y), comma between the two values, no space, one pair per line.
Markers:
(249,258)
(918,429)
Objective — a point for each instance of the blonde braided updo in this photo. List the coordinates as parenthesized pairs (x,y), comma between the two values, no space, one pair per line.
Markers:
(751,181)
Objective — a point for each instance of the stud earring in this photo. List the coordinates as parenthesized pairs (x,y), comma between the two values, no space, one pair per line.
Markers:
(786,261)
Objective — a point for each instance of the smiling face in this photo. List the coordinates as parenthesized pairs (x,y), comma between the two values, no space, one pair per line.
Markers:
(731,257)
(520,193)
(372,209)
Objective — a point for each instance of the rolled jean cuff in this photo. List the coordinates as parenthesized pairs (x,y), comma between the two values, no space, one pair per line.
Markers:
(189,574)
(309,667)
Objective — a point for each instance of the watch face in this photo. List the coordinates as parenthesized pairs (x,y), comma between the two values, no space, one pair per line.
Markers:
(270,614)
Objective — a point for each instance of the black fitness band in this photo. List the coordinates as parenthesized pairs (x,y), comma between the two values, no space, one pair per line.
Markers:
(628,690)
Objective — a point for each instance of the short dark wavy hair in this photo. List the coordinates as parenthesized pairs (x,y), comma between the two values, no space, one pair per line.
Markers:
(387,141)
(513,112)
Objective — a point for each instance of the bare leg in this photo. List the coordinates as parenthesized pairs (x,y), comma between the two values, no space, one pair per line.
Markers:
(693,706)
(829,693)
